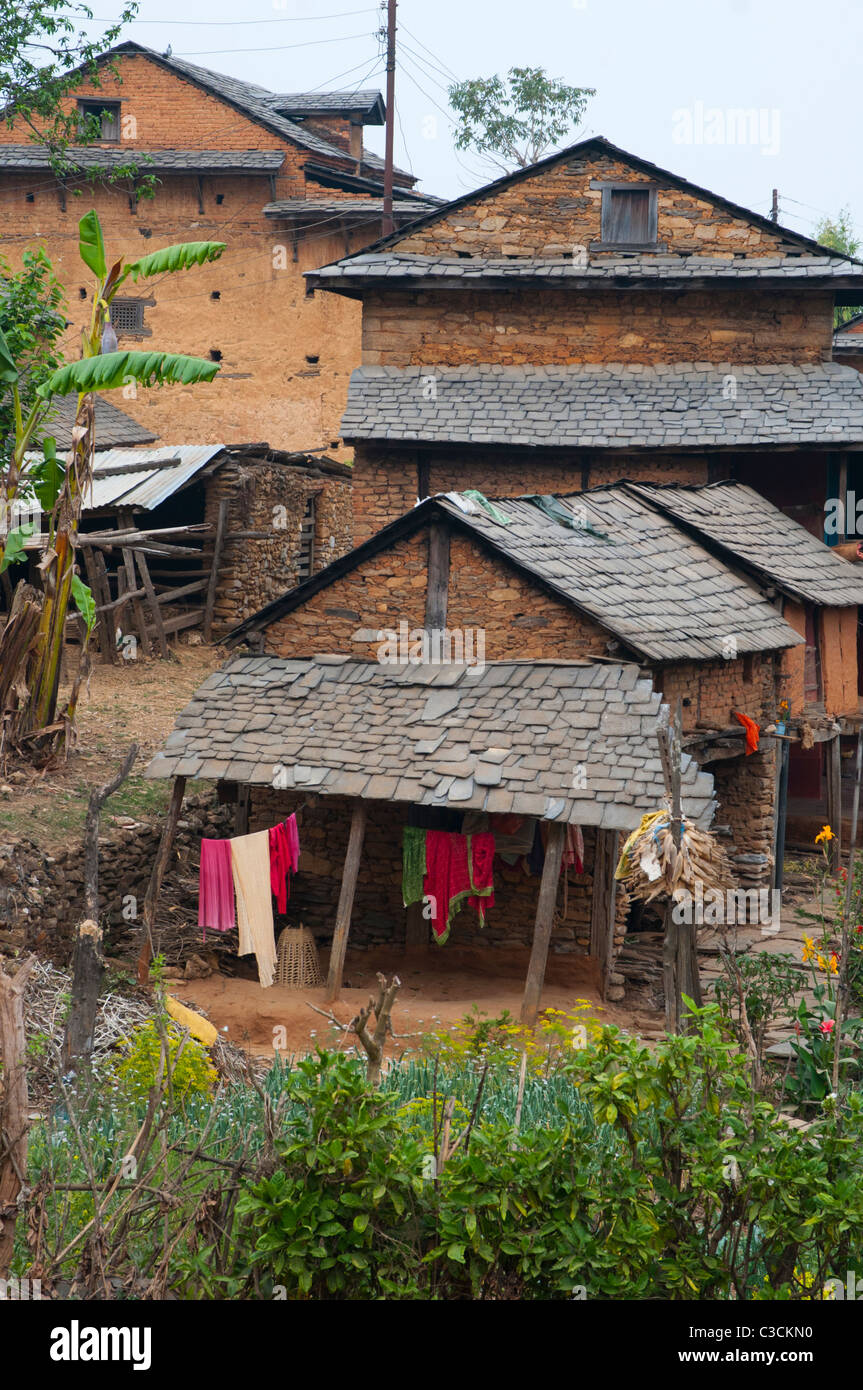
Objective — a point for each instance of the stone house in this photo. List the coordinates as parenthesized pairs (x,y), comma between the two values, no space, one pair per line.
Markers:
(712,590)
(589,318)
(282,178)
(361,749)
(243,521)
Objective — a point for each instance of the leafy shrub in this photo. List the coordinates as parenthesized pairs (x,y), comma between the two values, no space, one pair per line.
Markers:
(135,1071)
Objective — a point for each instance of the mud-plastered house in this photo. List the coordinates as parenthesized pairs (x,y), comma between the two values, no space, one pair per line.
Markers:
(182,153)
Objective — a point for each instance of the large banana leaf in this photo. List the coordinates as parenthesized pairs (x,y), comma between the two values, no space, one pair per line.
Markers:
(171,258)
(114,369)
(91,246)
(8,370)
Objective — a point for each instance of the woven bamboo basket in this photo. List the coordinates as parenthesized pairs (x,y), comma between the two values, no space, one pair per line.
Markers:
(297,965)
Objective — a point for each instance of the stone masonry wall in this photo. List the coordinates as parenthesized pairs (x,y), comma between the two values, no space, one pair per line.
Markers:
(526,325)
(272,497)
(378,917)
(385,479)
(516,616)
(554,210)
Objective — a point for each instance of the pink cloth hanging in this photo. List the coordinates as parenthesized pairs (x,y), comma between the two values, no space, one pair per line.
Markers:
(293,835)
(573,849)
(216,887)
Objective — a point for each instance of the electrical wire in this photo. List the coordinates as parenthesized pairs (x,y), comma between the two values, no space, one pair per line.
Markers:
(235,23)
(270,48)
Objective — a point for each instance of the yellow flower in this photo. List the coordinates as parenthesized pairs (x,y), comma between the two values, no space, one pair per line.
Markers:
(808,948)
(825,834)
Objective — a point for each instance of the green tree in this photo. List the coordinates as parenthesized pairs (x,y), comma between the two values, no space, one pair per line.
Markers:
(840,235)
(60,488)
(32,318)
(513,122)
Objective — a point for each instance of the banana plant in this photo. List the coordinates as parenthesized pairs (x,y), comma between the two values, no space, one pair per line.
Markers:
(101,368)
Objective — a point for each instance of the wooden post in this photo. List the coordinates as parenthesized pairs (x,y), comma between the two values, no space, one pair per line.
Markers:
(137,606)
(89,963)
(834,801)
(160,863)
(437,584)
(14,1108)
(104,627)
(346,899)
(781,813)
(141,562)
(602,902)
(214,569)
(543,923)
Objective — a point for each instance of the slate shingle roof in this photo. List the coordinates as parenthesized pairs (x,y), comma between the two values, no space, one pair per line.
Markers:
(368,101)
(748,527)
(344,207)
(653,586)
(113,427)
(682,405)
(504,737)
(107,157)
(395,268)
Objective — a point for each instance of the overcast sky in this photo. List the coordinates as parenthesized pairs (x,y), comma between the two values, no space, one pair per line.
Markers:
(666,73)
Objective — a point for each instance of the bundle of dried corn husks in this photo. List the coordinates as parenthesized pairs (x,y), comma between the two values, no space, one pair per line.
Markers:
(652,867)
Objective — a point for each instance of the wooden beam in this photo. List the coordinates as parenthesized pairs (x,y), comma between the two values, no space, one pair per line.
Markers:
(437,584)
(141,562)
(214,569)
(543,924)
(346,899)
(834,801)
(137,606)
(602,903)
(104,626)
(154,887)
(190,617)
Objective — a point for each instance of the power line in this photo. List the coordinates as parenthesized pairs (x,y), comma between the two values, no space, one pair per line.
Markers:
(270,48)
(443,67)
(235,23)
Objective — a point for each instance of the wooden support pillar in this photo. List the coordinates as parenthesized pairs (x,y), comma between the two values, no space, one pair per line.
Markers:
(14,1105)
(602,903)
(346,899)
(141,562)
(437,584)
(137,606)
(834,802)
(543,923)
(221,522)
(160,864)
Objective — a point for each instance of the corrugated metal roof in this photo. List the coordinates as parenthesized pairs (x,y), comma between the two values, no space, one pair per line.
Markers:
(152,485)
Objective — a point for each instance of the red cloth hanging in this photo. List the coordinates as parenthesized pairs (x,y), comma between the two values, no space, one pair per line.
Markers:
(284,858)
(482,873)
(752,731)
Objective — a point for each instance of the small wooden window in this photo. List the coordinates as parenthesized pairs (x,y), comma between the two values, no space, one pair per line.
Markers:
(306,560)
(107,113)
(629,216)
(127,316)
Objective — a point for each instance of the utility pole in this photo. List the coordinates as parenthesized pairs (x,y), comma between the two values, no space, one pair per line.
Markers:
(774,211)
(388,224)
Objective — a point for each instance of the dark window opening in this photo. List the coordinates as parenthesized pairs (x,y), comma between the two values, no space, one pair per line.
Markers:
(106,113)
(127,316)
(306,558)
(749,667)
(629,216)
(312,357)
(215,355)
(30,198)
(82,293)
(215,294)
(220,198)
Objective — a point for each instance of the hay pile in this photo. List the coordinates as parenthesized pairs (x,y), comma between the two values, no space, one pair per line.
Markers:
(652,867)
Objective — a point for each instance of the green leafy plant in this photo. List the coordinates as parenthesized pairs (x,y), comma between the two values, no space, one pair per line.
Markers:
(513,122)
(135,1071)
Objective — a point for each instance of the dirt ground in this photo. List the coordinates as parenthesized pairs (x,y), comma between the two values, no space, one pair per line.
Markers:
(119,704)
(437,991)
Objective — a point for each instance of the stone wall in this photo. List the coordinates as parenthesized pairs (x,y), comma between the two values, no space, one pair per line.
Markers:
(272,497)
(42,895)
(551,211)
(739,324)
(379,916)
(517,618)
(386,479)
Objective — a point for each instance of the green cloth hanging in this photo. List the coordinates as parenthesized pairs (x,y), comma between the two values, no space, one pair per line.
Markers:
(494,512)
(413,864)
(556,511)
